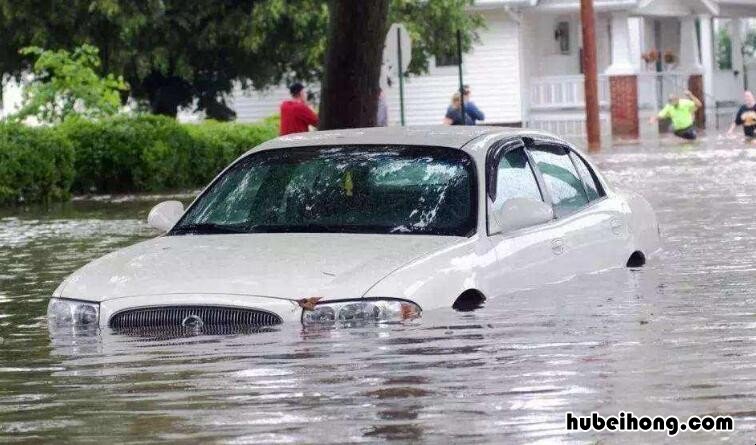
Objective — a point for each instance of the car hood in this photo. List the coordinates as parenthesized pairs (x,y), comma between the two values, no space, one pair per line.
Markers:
(288,266)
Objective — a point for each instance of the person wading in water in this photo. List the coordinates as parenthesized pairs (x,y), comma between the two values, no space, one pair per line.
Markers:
(746,116)
(682,113)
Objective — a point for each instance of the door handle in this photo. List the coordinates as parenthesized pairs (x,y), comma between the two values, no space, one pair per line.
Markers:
(557,246)
(616,225)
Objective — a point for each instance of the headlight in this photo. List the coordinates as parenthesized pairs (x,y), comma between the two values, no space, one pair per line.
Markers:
(62,312)
(380,310)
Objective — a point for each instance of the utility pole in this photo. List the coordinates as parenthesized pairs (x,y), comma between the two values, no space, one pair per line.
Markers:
(588,21)
(461,82)
(401,71)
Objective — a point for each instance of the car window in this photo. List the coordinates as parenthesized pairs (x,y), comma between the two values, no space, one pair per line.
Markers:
(408,173)
(341,189)
(561,178)
(592,186)
(233,200)
(515,178)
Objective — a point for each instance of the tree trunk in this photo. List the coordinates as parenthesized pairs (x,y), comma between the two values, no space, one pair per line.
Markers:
(167,94)
(164,104)
(349,93)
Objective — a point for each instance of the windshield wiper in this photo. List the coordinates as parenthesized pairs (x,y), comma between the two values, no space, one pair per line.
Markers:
(206,229)
(296,228)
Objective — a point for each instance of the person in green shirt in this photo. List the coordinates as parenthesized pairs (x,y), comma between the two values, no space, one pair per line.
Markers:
(682,113)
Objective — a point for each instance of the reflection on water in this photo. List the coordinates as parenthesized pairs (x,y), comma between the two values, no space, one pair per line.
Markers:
(675,338)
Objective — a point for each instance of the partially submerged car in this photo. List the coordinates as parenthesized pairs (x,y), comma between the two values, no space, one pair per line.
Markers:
(366,224)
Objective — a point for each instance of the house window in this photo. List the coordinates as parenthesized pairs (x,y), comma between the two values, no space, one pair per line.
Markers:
(562,36)
(447,57)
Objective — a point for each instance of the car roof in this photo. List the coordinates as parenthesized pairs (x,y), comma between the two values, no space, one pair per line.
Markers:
(429,136)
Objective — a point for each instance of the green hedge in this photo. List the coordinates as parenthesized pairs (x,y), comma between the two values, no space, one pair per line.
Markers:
(216,144)
(117,155)
(36,164)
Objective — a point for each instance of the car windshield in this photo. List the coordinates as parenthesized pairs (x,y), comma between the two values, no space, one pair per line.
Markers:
(344,189)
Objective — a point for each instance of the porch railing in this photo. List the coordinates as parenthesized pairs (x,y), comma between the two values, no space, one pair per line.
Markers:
(567,123)
(557,102)
(555,92)
(567,92)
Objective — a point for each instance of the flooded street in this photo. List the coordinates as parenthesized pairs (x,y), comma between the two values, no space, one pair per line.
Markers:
(675,338)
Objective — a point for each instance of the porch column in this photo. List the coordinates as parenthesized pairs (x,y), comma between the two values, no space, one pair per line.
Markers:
(621,62)
(689,56)
(623,80)
(707,61)
(690,63)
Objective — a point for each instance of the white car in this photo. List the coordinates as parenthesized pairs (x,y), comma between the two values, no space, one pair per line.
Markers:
(366,224)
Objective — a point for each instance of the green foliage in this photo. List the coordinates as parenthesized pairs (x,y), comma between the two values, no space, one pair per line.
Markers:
(172,52)
(155,153)
(123,154)
(749,44)
(724,50)
(67,84)
(291,36)
(433,26)
(118,154)
(216,144)
(36,164)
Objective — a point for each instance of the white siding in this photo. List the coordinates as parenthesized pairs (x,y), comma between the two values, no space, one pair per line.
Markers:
(256,105)
(597,4)
(542,50)
(11,97)
(249,105)
(541,53)
(492,69)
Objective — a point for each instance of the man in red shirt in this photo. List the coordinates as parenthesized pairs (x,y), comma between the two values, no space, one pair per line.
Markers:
(296,114)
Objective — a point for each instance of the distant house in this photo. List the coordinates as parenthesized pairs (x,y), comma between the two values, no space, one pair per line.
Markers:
(526,70)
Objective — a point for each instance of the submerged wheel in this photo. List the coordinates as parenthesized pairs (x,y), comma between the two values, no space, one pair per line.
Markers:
(469,300)
(637,259)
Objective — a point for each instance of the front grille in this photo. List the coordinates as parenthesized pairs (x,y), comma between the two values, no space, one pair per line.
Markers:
(192,316)
(171,332)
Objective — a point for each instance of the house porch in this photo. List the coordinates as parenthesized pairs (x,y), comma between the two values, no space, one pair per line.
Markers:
(663,48)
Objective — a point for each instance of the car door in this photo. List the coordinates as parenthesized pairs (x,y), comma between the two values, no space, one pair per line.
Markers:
(615,245)
(590,230)
(525,256)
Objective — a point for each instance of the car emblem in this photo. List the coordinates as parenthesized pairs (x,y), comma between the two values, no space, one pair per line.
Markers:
(192,321)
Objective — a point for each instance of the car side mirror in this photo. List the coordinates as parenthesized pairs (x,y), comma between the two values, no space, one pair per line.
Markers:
(518,213)
(165,215)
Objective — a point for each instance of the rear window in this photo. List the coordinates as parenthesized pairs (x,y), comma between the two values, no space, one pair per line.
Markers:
(592,184)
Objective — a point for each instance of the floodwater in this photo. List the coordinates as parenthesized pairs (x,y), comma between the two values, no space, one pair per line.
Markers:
(676,338)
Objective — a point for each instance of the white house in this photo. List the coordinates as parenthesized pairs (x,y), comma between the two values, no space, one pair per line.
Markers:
(552,94)
(526,70)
